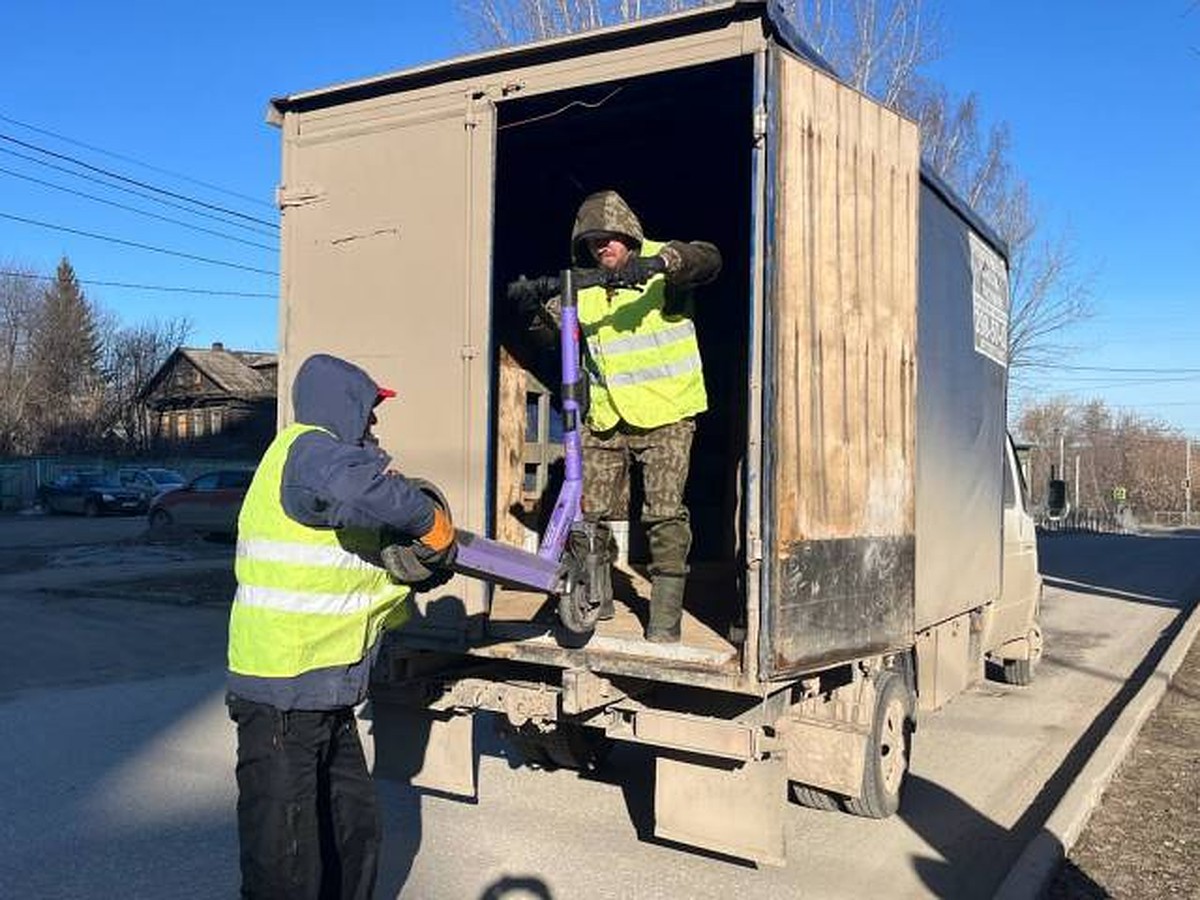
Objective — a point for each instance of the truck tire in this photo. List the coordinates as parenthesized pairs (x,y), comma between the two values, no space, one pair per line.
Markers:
(888,750)
(1021,671)
(563,746)
(1018,672)
(814,798)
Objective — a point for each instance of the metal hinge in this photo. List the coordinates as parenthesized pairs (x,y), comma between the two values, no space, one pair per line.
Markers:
(756,550)
(760,125)
(286,197)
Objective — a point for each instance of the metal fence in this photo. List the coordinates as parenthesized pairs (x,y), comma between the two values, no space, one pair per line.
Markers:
(1177,519)
(20,478)
(1099,521)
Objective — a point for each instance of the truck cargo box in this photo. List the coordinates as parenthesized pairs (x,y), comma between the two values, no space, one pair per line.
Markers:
(849,465)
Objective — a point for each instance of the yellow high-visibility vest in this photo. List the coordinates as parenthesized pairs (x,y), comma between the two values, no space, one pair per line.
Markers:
(644,367)
(303,600)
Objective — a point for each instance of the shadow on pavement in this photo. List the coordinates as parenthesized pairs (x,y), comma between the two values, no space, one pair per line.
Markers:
(954,828)
(512,887)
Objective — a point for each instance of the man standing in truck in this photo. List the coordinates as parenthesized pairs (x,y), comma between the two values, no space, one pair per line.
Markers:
(313,600)
(646,386)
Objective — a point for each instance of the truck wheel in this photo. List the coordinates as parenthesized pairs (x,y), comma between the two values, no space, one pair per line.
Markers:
(574,747)
(888,749)
(814,798)
(528,750)
(1021,671)
(1018,671)
(562,746)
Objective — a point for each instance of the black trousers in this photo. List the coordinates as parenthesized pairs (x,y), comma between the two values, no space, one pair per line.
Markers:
(308,818)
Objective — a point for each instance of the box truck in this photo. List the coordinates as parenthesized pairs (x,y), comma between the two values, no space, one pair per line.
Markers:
(862,546)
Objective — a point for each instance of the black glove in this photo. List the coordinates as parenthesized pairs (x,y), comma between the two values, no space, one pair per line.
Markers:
(436,559)
(637,271)
(530,294)
(413,563)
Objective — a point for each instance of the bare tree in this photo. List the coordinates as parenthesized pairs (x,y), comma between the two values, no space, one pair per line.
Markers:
(1144,456)
(498,23)
(20,301)
(1047,294)
(132,355)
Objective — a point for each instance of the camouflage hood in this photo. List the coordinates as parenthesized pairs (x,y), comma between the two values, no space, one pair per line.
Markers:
(603,212)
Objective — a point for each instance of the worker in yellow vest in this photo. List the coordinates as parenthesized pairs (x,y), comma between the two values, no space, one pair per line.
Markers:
(313,600)
(646,386)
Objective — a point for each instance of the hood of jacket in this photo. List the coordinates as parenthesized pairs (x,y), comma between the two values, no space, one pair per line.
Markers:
(334,394)
(604,212)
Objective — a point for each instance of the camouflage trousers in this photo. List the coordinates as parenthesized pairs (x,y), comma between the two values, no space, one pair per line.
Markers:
(664,454)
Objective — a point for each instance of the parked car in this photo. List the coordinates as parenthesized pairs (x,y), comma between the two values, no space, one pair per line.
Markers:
(150,482)
(209,503)
(89,493)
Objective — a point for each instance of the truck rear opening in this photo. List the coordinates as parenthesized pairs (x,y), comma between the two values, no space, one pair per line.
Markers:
(678,144)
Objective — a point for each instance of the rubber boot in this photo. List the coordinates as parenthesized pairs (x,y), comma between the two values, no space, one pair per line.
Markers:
(666,609)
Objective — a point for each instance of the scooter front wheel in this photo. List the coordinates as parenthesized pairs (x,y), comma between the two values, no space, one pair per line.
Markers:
(575,609)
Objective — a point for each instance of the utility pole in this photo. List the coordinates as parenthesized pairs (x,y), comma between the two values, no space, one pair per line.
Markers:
(1076,496)
(1187,483)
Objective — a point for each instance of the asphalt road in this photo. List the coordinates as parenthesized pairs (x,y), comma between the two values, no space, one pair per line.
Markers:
(116,756)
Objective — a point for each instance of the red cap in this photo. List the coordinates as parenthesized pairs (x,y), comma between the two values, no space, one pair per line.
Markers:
(382,394)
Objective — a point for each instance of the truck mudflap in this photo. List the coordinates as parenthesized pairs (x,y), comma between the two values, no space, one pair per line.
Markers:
(722,805)
(432,750)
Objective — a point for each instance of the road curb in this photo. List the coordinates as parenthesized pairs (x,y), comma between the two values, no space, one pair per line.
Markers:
(1039,861)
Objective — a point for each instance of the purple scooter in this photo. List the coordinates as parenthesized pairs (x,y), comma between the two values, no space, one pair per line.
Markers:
(557,568)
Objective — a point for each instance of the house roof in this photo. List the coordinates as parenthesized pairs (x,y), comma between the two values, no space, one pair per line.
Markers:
(238,372)
(232,370)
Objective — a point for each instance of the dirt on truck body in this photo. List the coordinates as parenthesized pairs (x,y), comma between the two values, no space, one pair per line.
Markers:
(861,539)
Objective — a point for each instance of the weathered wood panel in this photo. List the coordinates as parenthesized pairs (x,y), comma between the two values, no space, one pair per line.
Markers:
(842,311)
(510,448)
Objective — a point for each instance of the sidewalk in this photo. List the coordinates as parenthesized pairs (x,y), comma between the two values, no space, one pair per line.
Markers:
(1143,841)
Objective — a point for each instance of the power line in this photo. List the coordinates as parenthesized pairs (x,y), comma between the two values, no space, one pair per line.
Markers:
(128,190)
(152,249)
(1114,369)
(212,187)
(170,289)
(142,184)
(134,209)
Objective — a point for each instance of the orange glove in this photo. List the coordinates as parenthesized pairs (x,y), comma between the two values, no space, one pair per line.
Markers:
(436,547)
(441,533)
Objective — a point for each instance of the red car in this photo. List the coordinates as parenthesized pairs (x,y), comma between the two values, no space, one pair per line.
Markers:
(209,503)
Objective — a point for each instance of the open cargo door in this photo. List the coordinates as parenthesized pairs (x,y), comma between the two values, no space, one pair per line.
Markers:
(839,416)
(387,211)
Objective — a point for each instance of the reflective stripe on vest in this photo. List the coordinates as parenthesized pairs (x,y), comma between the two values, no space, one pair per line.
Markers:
(644,368)
(303,600)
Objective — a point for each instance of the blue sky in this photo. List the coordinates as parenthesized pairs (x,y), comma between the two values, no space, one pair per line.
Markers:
(1102,98)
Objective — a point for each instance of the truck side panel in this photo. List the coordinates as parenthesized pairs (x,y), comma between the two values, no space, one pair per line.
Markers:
(960,416)
(841,319)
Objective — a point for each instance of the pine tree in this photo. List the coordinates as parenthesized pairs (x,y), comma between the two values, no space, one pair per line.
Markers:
(65,357)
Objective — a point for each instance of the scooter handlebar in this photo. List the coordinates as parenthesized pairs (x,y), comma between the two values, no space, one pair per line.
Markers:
(539,290)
